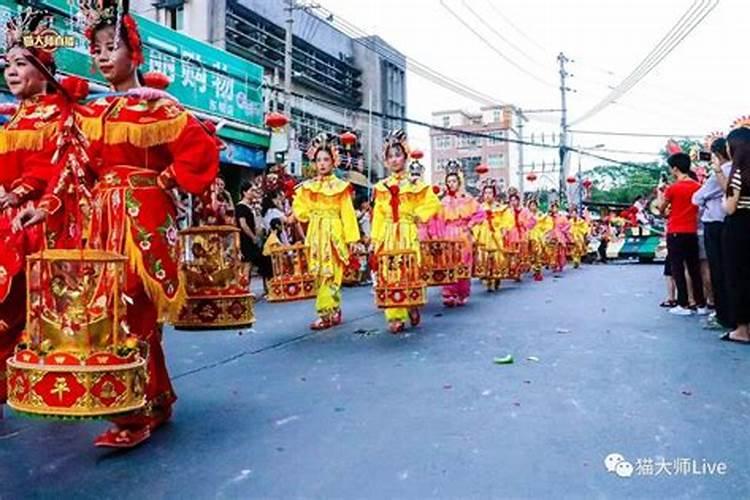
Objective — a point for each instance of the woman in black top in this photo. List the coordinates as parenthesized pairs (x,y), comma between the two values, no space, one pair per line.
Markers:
(736,237)
(250,233)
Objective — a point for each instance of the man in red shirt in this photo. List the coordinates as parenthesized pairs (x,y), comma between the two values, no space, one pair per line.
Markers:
(682,234)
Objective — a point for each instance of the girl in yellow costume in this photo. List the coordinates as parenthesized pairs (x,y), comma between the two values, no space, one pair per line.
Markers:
(579,230)
(400,204)
(538,238)
(325,204)
(489,235)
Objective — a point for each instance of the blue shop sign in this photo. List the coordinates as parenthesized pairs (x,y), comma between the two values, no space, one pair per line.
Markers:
(237,154)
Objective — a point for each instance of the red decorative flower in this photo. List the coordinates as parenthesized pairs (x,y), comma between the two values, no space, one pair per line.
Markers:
(436,189)
(77,88)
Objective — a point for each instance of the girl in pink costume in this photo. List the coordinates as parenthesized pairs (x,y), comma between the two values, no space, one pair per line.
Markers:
(561,238)
(517,237)
(460,212)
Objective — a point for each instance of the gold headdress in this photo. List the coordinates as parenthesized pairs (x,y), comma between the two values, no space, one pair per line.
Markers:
(328,142)
(396,138)
(93,14)
(32,30)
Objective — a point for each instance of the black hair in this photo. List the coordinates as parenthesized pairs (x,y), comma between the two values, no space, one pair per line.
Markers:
(275,224)
(739,148)
(267,203)
(245,186)
(680,161)
(719,148)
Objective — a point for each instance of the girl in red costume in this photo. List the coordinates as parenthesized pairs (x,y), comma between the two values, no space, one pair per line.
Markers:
(27,144)
(143,144)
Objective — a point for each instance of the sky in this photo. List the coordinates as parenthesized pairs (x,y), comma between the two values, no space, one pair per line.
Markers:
(701,86)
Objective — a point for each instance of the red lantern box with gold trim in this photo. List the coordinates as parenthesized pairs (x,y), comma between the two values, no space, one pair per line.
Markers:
(291,278)
(218,282)
(442,262)
(77,358)
(399,283)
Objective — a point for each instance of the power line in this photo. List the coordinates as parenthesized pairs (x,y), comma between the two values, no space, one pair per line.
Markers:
(493,48)
(636,134)
(500,35)
(684,26)
(455,131)
(512,25)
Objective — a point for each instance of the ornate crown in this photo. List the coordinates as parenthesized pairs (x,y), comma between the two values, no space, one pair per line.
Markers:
(396,137)
(741,122)
(326,141)
(416,169)
(28,29)
(93,14)
(489,183)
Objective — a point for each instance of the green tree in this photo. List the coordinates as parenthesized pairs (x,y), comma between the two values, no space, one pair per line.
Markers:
(624,183)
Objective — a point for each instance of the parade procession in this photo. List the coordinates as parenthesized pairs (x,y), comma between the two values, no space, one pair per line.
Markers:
(95,265)
(227,243)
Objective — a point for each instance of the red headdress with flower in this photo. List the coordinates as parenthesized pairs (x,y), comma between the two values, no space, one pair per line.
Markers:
(96,14)
(26,29)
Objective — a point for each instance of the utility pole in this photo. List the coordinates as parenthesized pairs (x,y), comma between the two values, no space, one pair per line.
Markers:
(288,48)
(520,118)
(563,120)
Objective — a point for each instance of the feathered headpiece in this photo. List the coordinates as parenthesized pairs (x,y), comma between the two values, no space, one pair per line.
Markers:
(97,14)
(396,138)
(741,122)
(29,29)
(328,142)
(513,192)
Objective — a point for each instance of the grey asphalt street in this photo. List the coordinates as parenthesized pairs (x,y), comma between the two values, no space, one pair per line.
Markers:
(354,412)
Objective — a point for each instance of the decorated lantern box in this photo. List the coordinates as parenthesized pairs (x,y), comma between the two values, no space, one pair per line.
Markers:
(218,282)
(442,262)
(399,282)
(489,264)
(77,357)
(291,277)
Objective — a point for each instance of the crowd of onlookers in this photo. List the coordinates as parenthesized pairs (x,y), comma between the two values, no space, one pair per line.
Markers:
(708,237)
(264,217)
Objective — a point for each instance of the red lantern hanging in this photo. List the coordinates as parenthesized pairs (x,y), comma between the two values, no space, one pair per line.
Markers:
(587,183)
(417,154)
(348,139)
(275,119)
(531,177)
(571,180)
(481,169)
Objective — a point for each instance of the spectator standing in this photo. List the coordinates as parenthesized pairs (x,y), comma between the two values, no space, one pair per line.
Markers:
(736,241)
(682,234)
(709,198)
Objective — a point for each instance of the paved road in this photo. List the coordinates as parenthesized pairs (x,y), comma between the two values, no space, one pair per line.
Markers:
(357,413)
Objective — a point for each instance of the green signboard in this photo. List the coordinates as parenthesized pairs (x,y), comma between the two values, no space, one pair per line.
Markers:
(203,77)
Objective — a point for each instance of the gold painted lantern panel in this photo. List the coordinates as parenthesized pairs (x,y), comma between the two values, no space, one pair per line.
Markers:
(399,281)
(218,282)
(291,276)
(77,357)
(442,262)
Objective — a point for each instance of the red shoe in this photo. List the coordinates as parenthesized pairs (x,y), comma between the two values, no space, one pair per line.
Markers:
(321,324)
(462,302)
(396,327)
(337,318)
(414,317)
(538,276)
(449,302)
(122,438)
